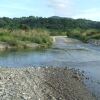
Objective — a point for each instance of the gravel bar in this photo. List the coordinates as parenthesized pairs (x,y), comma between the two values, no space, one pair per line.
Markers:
(46,83)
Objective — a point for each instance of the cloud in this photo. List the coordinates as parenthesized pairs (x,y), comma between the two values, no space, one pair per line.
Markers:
(61,7)
(92,13)
(76,8)
(45,8)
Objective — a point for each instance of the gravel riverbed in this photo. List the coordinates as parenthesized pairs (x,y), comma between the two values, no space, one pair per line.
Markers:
(42,84)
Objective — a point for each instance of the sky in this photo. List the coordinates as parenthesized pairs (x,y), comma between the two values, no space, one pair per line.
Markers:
(88,9)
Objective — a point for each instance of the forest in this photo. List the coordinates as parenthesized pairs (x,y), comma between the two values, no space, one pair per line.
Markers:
(81,29)
(52,23)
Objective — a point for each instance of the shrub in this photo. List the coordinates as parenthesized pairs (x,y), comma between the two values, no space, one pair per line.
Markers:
(20,37)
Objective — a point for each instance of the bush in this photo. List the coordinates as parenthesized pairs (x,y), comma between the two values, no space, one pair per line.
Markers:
(20,37)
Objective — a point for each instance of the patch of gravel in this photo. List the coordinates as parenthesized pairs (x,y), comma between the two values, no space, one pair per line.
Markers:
(42,84)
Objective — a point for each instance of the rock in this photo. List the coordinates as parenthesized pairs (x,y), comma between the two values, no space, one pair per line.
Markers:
(94,42)
(42,84)
(77,77)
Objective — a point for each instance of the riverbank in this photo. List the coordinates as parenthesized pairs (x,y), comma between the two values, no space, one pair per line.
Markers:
(42,84)
(85,35)
(21,39)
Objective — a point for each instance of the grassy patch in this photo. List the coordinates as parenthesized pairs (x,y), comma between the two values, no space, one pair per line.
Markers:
(84,35)
(20,38)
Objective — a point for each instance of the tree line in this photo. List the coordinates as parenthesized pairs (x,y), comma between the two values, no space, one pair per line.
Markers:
(51,23)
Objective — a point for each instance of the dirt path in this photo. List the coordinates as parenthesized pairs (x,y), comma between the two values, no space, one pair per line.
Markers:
(42,84)
(55,38)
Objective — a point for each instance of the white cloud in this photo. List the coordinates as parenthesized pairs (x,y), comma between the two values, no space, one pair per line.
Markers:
(61,7)
(66,8)
(93,13)
(76,8)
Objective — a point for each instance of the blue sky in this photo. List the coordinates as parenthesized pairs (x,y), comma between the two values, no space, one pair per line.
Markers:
(89,9)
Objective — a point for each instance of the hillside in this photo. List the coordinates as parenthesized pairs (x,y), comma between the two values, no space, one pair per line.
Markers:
(54,22)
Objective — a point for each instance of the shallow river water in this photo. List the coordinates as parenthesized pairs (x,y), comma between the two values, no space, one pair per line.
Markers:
(65,52)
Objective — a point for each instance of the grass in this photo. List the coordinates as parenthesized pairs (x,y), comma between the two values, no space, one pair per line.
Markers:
(84,35)
(19,38)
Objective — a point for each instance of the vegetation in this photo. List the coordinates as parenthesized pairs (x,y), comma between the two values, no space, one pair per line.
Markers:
(84,35)
(37,29)
(20,38)
(51,23)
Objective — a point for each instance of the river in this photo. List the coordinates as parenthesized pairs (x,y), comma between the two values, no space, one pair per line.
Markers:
(65,52)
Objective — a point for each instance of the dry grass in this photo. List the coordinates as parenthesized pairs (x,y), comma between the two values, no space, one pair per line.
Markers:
(18,37)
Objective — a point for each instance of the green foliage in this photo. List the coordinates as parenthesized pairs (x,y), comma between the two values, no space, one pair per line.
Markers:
(20,38)
(24,27)
(52,23)
(38,29)
(57,32)
(84,35)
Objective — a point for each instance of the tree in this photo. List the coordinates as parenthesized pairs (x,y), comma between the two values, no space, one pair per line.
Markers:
(24,27)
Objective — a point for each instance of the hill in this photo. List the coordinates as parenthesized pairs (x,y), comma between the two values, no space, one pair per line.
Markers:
(54,23)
